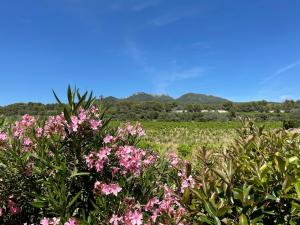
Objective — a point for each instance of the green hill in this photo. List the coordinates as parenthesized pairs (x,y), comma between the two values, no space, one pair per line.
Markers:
(142,97)
(192,98)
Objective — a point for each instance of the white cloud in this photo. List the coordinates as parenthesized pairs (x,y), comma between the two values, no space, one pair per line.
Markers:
(142,5)
(172,17)
(285,97)
(281,71)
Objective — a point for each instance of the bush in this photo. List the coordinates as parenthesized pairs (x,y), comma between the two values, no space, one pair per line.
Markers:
(292,123)
(256,181)
(74,168)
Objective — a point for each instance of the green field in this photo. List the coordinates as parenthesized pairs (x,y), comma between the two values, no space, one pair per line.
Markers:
(187,137)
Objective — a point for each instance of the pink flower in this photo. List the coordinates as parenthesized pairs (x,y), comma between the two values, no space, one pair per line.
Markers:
(55,221)
(55,125)
(27,141)
(115,220)
(187,182)
(74,124)
(115,189)
(72,222)
(151,203)
(95,124)
(3,137)
(107,189)
(108,139)
(1,212)
(136,218)
(14,210)
(38,132)
(44,221)
(82,116)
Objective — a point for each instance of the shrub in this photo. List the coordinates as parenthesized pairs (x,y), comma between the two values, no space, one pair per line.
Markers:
(255,181)
(291,123)
(73,168)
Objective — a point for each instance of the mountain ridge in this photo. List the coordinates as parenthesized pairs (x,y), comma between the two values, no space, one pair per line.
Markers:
(188,98)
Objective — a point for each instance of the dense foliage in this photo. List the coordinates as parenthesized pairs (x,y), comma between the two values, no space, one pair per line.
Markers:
(74,168)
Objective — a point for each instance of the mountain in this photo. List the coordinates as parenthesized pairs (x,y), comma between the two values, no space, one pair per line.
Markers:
(192,98)
(142,97)
(189,98)
(111,99)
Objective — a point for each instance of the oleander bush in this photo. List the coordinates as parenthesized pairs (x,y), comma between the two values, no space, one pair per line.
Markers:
(76,168)
(73,168)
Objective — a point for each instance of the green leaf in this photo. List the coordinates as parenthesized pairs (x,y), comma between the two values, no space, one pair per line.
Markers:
(75,174)
(74,199)
(57,99)
(243,220)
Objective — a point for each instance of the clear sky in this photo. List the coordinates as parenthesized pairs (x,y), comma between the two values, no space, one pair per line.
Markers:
(240,49)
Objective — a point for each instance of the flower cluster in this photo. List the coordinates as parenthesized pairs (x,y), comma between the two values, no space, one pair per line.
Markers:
(97,160)
(50,221)
(57,221)
(107,189)
(3,138)
(129,130)
(89,117)
(11,206)
(153,212)
(21,127)
(55,125)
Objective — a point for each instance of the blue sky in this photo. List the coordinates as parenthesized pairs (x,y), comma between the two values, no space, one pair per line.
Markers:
(241,49)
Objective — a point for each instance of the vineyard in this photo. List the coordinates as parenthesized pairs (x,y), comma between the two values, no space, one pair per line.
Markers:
(81,167)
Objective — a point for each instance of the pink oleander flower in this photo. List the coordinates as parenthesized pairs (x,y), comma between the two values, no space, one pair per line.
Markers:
(187,182)
(1,212)
(55,125)
(82,116)
(38,132)
(55,221)
(115,220)
(72,221)
(107,139)
(130,159)
(27,141)
(151,203)
(136,218)
(50,221)
(28,120)
(14,210)
(107,189)
(95,124)
(74,124)
(173,158)
(3,137)
(44,221)
(98,159)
